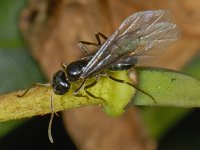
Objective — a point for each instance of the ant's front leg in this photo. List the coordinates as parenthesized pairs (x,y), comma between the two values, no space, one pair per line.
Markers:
(76,92)
(33,85)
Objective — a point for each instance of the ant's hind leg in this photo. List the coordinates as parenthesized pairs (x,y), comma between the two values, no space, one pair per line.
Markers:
(82,44)
(33,85)
(97,35)
(134,86)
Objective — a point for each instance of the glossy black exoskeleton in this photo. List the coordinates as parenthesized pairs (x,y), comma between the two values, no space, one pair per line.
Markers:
(59,83)
(70,73)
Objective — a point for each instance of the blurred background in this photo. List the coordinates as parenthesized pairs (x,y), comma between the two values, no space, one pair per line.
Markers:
(36,35)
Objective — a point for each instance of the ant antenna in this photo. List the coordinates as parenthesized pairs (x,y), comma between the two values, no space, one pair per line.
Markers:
(51,119)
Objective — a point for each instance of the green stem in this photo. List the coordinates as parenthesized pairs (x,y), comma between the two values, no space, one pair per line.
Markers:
(37,100)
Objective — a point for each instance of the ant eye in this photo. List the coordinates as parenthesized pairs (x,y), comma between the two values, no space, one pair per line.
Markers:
(59,83)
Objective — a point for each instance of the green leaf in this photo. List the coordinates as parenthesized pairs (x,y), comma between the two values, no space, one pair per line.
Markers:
(160,119)
(169,88)
(193,68)
(9,20)
(18,71)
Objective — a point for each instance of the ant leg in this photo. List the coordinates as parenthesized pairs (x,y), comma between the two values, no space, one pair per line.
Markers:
(79,88)
(51,119)
(97,35)
(33,85)
(82,44)
(134,86)
(91,85)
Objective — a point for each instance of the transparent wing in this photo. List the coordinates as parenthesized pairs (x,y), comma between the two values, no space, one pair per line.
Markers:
(138,34)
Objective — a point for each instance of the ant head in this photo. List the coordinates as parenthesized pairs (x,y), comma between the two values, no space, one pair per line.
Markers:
(59,83)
